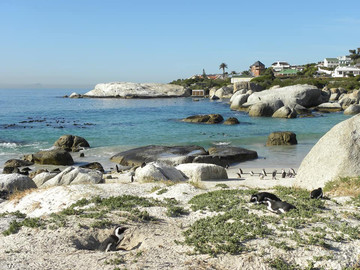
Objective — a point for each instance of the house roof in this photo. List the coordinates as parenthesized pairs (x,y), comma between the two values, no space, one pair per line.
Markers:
(288,71)
(332,59)
(257,64)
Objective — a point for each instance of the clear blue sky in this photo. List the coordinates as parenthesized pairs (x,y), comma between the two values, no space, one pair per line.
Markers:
(85,42)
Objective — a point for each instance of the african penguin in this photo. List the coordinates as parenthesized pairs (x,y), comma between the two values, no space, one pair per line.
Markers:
(316,193)
(283,173)
(261,197)
(264,172)
(110,243)
(274,174)
(239,175)
(241,171)
(261,175)
(251,173)
(279,206)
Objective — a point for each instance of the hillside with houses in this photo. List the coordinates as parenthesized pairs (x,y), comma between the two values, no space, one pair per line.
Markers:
(342,71)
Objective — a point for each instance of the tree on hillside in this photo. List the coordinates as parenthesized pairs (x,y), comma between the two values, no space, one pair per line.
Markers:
(354,55)
(233,72)
(223,66)
(204,74)
(245,73)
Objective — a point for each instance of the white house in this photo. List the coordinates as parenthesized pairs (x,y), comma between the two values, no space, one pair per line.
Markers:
(331,62)
(344,60)
(280,65)
(345,71)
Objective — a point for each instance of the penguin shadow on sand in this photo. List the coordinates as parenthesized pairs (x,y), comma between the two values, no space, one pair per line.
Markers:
(106,240)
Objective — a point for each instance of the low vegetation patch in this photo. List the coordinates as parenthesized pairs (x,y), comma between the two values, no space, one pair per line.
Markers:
(237,222)
(344,186)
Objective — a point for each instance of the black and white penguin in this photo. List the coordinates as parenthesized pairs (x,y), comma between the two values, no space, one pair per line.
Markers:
(110,243)
(251,173)
(283,173)
(264,172)
(274,174)
(316,193)
(261,197)
(241,171)
(279,206)
(261,175)
(293,171)
(239,175)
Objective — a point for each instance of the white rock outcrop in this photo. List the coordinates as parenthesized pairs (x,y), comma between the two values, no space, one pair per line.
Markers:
(302,94)
(137,90)
(15,182)
(158,172)
(197,172)
(336,154)
(74,175)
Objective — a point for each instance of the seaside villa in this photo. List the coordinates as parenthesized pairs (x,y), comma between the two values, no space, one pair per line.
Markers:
(280,65)
(345,71)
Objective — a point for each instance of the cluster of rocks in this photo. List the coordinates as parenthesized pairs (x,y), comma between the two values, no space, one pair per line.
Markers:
(211,119)
(294,101)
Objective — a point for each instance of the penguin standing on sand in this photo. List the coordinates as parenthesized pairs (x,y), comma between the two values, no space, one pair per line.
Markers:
(263,172)
(110,243)
(261,175)
(274,174)
(279,206)
(283,173)
(241,171)
(239,175)
(316,194)
(251,173)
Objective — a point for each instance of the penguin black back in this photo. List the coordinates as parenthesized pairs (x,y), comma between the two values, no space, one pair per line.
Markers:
(316,193)
(261,197)
(279,206)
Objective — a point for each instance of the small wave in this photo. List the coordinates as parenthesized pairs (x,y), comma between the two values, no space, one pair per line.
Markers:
(9,145)
(221,143)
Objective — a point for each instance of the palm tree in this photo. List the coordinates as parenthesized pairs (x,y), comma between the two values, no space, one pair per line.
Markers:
(223,66)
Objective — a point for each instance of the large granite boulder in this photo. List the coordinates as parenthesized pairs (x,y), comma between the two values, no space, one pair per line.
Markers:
(302,94)
(158,172)
(352,109)
(224,92)
(172,155)
(15,182)
(74,175)
(336,154)
(51,157)
(71,143)
(265,108)
(285,112)
(200,172)
(42,177)
(206,119)
(329,107)
(281,138)
(225,155)
(238,100)
(137,90)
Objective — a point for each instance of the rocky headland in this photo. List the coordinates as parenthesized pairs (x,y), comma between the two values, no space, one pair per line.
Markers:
(137,90)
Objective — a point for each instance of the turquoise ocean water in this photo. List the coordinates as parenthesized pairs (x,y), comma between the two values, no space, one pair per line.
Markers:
(32,120)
